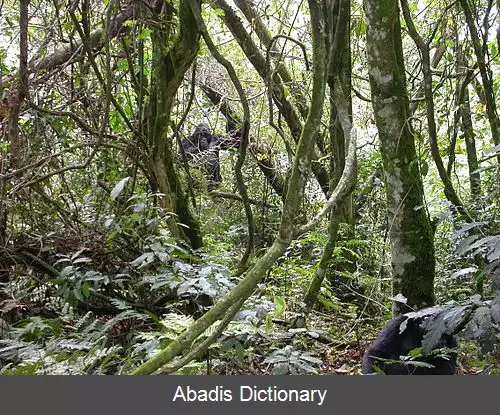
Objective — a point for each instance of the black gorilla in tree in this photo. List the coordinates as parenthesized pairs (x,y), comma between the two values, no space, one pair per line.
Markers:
(202,150)
(401,335)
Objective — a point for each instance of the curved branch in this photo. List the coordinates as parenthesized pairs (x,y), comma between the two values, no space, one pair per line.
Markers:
(342,190)
(290,38)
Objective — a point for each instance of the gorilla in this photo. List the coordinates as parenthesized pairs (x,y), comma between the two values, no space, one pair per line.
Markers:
(202,149)
(401,335)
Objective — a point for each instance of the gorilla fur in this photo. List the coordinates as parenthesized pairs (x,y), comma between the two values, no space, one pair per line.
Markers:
(396,340)
(202,148)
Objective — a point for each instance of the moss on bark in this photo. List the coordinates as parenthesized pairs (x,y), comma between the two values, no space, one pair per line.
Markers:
(410,231)
(169,68)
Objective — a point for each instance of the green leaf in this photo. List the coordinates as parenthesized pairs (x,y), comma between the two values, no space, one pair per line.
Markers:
(85,290)
(269,324)
(219,12)
(286,92)
(279,302)
(144,34)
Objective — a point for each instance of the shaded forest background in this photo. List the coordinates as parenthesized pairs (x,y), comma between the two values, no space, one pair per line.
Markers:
(245,186)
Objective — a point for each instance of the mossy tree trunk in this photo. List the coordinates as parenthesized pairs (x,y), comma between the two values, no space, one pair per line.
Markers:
(410,231)
(169,65)
(18,143)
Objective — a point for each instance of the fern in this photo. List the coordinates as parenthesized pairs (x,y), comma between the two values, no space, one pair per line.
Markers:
(84,321)
(176,323)
(124,315)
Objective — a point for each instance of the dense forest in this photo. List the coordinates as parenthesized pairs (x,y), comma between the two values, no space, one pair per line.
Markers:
(249,187)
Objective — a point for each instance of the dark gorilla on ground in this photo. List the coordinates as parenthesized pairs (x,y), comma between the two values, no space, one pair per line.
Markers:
(394,342)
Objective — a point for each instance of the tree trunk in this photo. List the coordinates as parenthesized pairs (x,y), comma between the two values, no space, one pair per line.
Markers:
(470,144)
(410,231)
(169,68)
(18,145)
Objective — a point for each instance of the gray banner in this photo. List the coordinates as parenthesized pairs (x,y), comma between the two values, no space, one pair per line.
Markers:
(267,394)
